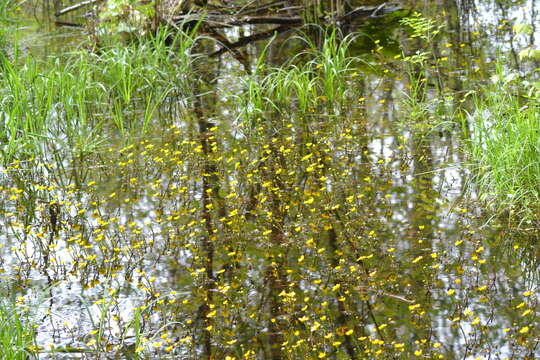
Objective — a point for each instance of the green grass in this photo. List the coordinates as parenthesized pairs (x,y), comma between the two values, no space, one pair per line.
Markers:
(82,100)
(505,144)
(16,334)
(6,6)
(316,80)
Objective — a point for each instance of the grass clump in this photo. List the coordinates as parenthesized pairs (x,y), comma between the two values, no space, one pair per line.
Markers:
(505,143)
(16,335)
(6,6)
(315,80)
(81,100)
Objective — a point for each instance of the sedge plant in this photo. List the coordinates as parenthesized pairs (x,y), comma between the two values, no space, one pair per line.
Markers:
(17,337)
(504,143)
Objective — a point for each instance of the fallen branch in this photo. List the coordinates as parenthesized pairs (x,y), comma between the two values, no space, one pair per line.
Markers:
(251,10)
(215,21)
(76,7)
(368,12)
(253,20)
(249,39)
(67,24)
(227,20)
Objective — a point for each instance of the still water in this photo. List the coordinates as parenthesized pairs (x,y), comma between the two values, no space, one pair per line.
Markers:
(351,230)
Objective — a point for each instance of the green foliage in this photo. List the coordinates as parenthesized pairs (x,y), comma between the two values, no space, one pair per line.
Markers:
(416,105)
(16,333)
(315,228)
(422,27)
(73,101)
(129,18)
(505,143)
(320,83)
(6,6)
(521,28)
(529,53)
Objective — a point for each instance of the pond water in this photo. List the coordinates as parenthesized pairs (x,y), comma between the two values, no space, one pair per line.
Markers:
(350,230)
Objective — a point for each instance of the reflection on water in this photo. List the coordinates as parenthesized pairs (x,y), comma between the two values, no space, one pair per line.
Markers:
(341,233)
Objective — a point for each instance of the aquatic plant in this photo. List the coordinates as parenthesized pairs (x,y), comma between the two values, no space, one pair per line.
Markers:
(315,228)
(6,6)
(76,100)
(417,104)
(17,335)
(130,19)
(505,145)
(316,80)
